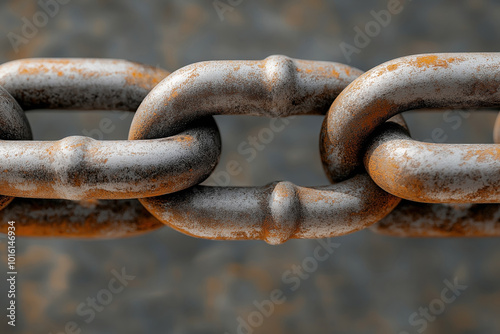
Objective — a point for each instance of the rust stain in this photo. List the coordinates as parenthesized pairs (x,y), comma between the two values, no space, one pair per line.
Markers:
(83,219)
(392,67)
(433,61)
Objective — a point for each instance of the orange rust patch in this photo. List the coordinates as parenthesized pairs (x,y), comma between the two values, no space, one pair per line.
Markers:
(184,138)
(308,71)
(347,70)
(392,67)
(483,155)
(33,70)
(335,73)
(173,95)
(432,61)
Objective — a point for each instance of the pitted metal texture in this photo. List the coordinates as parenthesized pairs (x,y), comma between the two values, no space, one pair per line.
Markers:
(174,145)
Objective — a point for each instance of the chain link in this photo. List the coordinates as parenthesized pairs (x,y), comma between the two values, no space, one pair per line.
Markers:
(174,145)
(83,168)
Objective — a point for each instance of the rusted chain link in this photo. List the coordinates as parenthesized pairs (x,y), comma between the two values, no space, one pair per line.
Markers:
(174,144)
(83,168)
(412,219)
(425,172)
(274,213)
(99,219)
(275,87)
(414,82)
(79,84)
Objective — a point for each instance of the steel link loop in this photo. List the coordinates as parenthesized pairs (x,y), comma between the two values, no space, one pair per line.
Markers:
(412,219)
(274,213)
(80,167)
(79,84)
(96,219)
(83,168)
(414,82)
(425,172)
(174,144)
(275,87)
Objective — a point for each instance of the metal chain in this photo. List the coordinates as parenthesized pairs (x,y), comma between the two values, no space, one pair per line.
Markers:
(174,145)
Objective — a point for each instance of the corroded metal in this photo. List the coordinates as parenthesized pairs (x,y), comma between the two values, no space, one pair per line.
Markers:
(411,219)
(79,84)
(99,219)
(433,173)
(174,144)
(277,86)
(423,81)
(274,213)
(83,168)
(13,125)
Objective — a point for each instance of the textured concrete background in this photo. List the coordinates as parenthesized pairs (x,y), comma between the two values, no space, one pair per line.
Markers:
(370,284)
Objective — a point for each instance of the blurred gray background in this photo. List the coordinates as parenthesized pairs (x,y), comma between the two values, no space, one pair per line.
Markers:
(370,284)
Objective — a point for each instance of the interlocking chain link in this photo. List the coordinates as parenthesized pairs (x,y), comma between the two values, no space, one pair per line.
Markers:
(83,168)
(174,145)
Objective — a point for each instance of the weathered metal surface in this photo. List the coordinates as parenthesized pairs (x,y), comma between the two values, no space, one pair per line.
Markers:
(433,173)
(411,219)
(13,125)
(83,168)
(277,86)
(13,122)
(460,80)
(175,143)
(274,213)
(79,84)
(95,219)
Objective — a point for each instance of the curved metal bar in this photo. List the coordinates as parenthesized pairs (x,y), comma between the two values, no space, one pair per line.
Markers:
(426,172)
(422,81)
(277,86)
(94,219)
(83,168)
(411,219)
(13,125)
(274,213)
(79,84)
